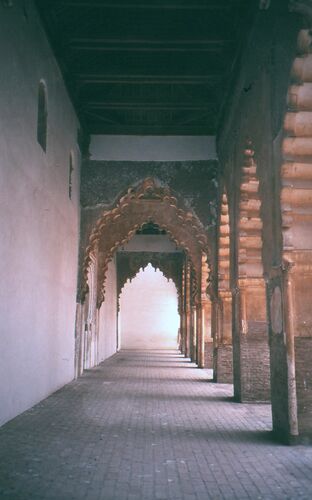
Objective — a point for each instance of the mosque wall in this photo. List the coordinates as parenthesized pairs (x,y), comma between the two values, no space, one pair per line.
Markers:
(39,193)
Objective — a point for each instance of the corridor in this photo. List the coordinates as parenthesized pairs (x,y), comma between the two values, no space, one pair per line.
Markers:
(148,425)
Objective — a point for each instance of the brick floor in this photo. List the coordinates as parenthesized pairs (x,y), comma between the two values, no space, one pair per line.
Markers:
(150,426)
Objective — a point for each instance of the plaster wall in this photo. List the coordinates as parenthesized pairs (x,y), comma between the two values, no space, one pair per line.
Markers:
(108,316)
(152,148)
(149,312)
(39,223)
(150,243)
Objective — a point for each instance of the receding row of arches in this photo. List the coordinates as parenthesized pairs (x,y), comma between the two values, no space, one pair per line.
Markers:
(148,203)
(248,320)
(264,273)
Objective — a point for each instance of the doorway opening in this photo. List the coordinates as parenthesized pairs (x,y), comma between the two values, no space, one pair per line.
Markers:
(149,317)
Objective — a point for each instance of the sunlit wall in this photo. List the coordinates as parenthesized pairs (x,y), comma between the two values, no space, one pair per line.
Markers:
(149,316)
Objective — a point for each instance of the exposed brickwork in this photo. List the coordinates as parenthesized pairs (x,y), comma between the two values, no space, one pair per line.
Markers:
(208,355)
(252,368)
(255,368)
(224,364)
(148,426)
(303,356)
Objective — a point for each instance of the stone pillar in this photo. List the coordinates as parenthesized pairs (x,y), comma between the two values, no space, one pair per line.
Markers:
(284,396)
(200,336)
(224,350)
(182,314)
(207,333)
(291,349)
(205,351)
(79,339)
(251,364)
(193,334)
(250,342)
(184,332)
(182,335)
(188,311)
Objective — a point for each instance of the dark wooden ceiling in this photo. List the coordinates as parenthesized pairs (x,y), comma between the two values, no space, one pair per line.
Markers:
(147,66)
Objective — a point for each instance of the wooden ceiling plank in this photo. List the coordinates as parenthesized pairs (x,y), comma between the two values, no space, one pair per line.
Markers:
(148,79)
(149,106)
(212,5)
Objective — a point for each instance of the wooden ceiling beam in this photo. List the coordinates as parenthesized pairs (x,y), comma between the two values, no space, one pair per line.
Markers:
(97,128)
(115,54)
(84,79)
(147,5)
(217,48)
(148,106)
(189,42)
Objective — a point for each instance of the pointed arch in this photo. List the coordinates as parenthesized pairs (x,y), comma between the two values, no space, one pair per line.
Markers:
(223,362)
(149,319)
(224,245)
(250,223)
(129,264)
(147,202)
(292,294)
(250,332)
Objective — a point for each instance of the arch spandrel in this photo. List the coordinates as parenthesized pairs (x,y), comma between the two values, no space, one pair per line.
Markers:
(108,246)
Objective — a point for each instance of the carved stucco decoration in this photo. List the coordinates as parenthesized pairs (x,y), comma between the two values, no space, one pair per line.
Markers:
(206,283)
(147,202)
(296,170)
(130,263)
(224,245)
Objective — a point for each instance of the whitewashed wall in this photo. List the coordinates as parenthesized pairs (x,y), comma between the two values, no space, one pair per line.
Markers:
(150,243)
(149,312)
(152,148)
(39,223)
(108,316)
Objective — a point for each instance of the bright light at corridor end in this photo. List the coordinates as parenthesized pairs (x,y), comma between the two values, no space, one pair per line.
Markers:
(149,317)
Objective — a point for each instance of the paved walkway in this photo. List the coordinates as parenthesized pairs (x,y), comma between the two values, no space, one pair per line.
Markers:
(143,426)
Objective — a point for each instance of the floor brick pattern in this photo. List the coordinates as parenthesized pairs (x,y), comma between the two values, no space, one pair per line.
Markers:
(148,425)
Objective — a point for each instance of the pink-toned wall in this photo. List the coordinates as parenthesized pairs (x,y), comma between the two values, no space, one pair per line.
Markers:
(108,316)
(39,221)
(149,316)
